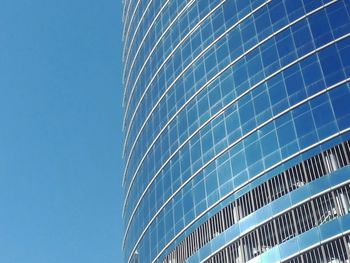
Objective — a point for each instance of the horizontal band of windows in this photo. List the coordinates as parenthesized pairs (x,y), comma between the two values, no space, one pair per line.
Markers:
(308,214)
(325,250)
(214,78)
(297,176)
(291,157)
(272,254)
(188,66)
(195,27)
(218,114)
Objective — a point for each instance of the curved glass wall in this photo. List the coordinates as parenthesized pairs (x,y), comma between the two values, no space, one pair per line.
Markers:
(222,96)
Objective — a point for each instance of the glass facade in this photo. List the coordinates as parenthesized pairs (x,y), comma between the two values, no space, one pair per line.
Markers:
(237,128)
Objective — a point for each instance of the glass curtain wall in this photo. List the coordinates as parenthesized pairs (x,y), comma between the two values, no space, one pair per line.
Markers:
(233,110)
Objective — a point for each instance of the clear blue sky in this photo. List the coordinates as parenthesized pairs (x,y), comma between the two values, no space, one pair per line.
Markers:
(60,131)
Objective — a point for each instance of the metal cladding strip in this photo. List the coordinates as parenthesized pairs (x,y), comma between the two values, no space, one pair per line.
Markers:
(123,21)
(131,43)
(192,62)
(149,55)
(309,198)
(220,112)
(168,57)
(241,186)
(317,244)
(228,148)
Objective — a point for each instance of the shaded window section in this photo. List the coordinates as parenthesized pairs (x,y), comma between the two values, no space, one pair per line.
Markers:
(340,102)
(344,53)
(320,27)
(331,65)
(312,75)
(302,37)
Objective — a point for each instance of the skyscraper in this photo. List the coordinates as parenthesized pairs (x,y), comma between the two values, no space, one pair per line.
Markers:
(237,129)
